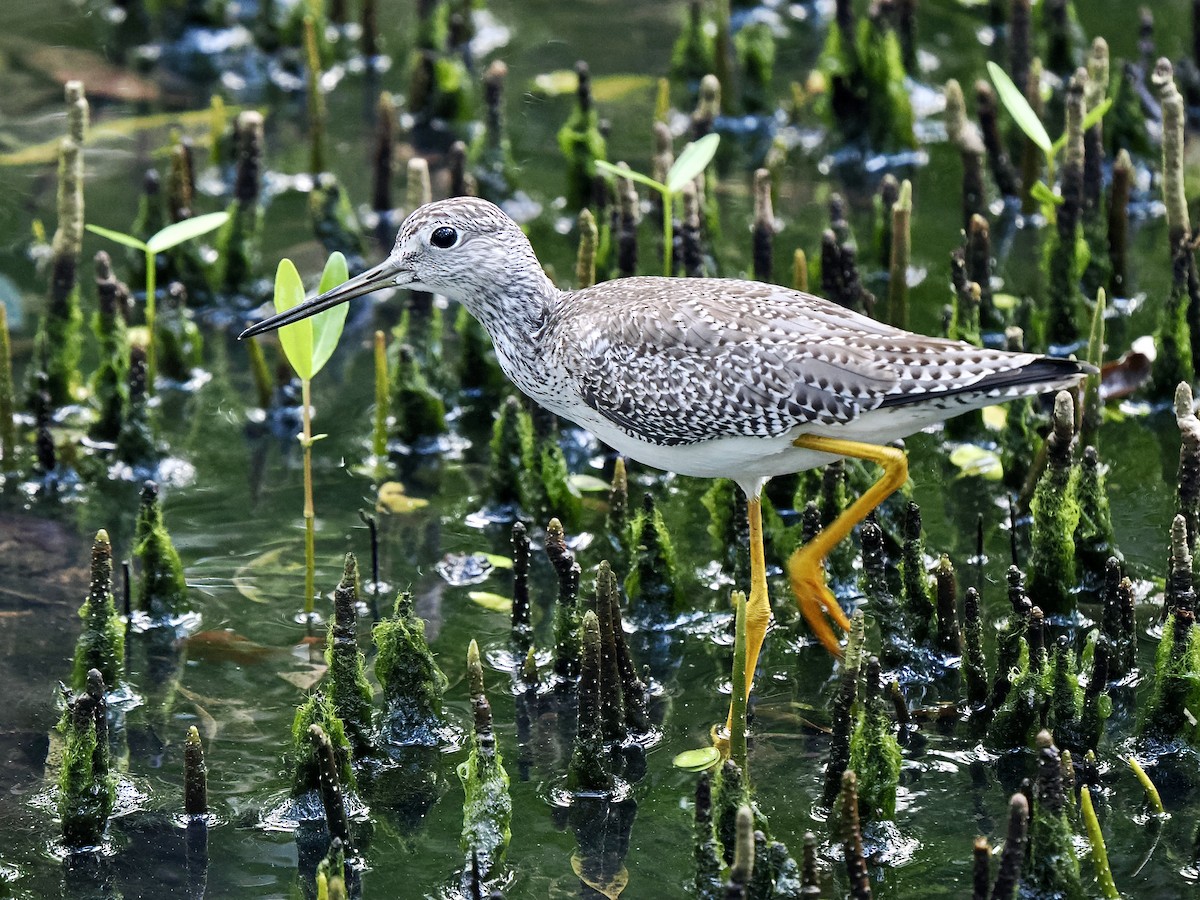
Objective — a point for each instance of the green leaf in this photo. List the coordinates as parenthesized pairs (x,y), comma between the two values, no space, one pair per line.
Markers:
(327,325)
(1093,116)
(176,234)
(296,338)
(618,172)
(974,460)
(697,760)
(498,561)
(1018,107)
(692,161)
(127,239)
(587,484)
(490,601)
(1041,192)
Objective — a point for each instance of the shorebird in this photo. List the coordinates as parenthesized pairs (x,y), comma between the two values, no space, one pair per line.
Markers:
(711,377)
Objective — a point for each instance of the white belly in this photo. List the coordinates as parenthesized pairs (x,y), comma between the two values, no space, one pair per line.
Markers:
(752,461)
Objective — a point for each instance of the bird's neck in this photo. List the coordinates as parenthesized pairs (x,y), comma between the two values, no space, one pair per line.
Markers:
(514,308)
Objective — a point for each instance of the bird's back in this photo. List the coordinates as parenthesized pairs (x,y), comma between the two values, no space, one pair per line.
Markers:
(678,361)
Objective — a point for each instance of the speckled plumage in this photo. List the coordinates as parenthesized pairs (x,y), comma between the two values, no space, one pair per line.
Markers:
(702,376)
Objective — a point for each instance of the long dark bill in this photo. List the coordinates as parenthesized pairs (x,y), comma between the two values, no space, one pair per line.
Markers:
(381,276)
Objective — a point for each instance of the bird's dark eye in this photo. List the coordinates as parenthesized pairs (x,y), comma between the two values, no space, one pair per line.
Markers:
(443,238)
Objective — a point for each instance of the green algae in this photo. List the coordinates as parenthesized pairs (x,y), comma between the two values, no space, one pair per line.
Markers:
(651,584)
(162,587)
(1055,509)
(1165,714)
(589,770)
(87,788)
(101,644)
(1051,867)
(875,755)
(417,411)
(110,381)
(512,453)
(868,103)
(581,143)
(568,616)
(1017,720)
(487,806)
(409,677)
(349,689)
(304,761)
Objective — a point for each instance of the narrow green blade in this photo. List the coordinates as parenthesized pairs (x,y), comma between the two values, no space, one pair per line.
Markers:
(618,172)
(1018,107)
(177,233)
(127,239)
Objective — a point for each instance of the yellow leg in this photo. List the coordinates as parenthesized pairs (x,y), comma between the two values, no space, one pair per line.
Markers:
(758,605)
(805,566)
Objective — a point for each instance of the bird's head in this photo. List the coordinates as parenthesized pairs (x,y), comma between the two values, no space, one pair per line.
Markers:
(461,248)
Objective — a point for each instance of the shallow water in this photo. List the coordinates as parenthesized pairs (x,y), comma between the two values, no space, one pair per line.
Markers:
(235,497)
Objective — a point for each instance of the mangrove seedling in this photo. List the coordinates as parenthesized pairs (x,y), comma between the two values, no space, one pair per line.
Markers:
(1052,868)
(1017,719)
(110,381)
(1104,878)
(568,616)
(875,752)
(868,103)
(1095,542)
(162,588)
(318,709)
(59,332)
(195,775)
(651,584)
(101,644)
(852,841)
(418,413)
(917,592)
(8,433)
(136,444)
(348,686)
(308,344)
(694,54)
(688,166)
(487,808)
(331,873)
(1055,510)
(491,152)
(411,681)
(171,236)
(841,724)
(239,240)
(1166,715)
(330,785)
(87,790)
(589,770)
(581,143)
(1031,125)
(511,453)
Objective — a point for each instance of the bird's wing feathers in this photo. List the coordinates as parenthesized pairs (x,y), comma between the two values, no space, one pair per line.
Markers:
(728,358)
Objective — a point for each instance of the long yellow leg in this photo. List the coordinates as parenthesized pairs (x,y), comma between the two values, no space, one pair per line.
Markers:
(758,605)
(805,567)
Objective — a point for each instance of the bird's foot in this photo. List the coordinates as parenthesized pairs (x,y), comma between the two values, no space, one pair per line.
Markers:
(817,603)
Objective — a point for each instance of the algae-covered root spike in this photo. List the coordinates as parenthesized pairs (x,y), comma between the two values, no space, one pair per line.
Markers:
(487,807)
